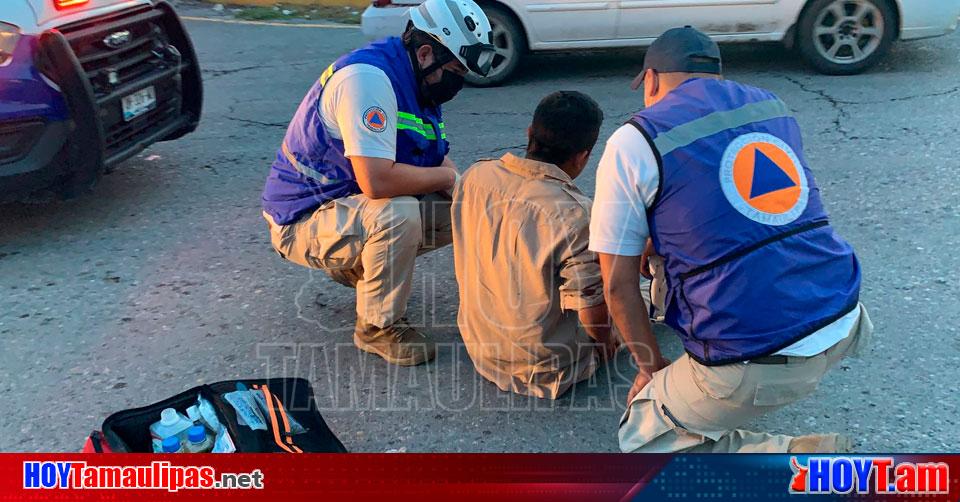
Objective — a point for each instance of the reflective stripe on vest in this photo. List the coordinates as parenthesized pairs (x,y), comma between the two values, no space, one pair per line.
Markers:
(310,167)
(744,278)
(717,122)
(405,121)
(301,167)
(326,75)
(413,123)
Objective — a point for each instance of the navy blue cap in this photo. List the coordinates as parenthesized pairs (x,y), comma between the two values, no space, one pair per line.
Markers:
(683,50)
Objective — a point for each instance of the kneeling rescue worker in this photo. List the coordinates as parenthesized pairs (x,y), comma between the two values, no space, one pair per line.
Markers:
(762,292)
(360,185)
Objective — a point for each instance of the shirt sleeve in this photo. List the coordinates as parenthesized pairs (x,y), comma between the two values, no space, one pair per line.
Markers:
(581,285)
(628,178)
(359,106)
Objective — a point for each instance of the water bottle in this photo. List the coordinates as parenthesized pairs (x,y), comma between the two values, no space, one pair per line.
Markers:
(171,423)
(197,440)
(171,445)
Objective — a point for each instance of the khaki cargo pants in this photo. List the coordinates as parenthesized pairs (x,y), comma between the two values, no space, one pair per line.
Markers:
(688,407)
(370,244)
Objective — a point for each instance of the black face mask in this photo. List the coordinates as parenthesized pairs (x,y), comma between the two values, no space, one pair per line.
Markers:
(442,91)
(449,85)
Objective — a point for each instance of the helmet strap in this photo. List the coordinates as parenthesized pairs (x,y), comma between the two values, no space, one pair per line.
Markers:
(421,73)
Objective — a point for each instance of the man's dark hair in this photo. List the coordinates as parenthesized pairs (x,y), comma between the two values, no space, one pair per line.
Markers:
(564,124)
(413,39)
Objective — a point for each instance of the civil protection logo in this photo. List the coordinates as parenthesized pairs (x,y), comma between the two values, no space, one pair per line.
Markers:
(375,119)
(762,178)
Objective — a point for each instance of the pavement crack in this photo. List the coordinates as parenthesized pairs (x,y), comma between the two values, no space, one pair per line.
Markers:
(842,114)
(822,93)
(219,73)
(838,105)
(257,122)
(918,96)
(488,113)
(211,74)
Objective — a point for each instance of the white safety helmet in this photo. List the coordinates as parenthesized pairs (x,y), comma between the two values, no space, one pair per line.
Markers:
(462,27)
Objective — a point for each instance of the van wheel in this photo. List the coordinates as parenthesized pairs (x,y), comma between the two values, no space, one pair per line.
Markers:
(845,37)
(510,44)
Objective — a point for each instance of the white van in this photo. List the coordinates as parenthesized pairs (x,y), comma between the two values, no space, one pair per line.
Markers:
(839,37)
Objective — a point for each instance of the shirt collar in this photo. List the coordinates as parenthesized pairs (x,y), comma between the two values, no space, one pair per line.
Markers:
(534,168)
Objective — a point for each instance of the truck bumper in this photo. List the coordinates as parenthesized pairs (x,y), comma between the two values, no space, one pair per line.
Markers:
(32,155)
(90,82)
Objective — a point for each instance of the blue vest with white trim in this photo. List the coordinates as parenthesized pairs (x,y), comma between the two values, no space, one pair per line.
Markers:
(751,261)
(311,168)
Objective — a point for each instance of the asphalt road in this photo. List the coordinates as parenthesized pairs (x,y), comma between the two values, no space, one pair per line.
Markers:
(163,277)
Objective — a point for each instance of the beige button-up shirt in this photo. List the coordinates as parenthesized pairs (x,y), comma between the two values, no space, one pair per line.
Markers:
(520,236)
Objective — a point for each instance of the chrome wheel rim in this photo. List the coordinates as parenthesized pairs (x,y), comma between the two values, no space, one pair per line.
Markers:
(504,49)
(848,31)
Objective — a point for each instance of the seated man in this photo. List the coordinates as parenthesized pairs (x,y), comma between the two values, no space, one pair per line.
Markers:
(520,234)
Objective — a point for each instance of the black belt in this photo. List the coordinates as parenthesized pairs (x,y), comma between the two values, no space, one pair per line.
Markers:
(771,360)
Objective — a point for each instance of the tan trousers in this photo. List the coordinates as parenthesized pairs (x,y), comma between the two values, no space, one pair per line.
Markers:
(370,244)
(688,407)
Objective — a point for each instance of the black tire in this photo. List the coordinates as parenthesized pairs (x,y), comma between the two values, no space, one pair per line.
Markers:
(857,33)
(78,183)
(511,44)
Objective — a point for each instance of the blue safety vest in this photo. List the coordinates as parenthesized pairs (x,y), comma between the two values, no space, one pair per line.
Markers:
(752,263)
(311,168)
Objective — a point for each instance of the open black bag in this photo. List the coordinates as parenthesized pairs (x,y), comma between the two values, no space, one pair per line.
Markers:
(128,431)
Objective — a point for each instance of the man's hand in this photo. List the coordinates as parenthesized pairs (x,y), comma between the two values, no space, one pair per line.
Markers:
(648,251)
(643,378)
(641,381)
(608,346)
(452,177)
(596,322)
(448,162)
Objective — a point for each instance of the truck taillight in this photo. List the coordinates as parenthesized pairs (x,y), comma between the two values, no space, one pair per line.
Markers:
(382,3)
(67,4)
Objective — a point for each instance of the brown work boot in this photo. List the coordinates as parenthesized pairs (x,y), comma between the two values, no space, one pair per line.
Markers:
(821,443)
(398,343)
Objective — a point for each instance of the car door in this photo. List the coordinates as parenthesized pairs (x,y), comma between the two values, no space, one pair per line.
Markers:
(552,21)
(647,19)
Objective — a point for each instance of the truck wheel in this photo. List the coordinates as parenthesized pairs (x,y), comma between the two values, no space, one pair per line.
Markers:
(845,37)
(79,182)
(510,43)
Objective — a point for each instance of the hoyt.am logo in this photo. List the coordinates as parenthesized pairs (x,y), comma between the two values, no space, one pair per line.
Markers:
(874,475)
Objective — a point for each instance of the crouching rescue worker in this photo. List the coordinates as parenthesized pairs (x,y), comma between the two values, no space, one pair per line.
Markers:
(762,292)
(526,277)
(360,184)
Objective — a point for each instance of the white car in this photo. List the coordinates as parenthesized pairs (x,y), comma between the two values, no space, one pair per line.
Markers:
(839,37)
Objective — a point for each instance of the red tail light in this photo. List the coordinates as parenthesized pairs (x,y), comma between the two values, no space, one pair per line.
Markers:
(381,3)
(67,4)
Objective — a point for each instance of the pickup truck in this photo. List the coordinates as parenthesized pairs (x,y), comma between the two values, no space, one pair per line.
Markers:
(86,84)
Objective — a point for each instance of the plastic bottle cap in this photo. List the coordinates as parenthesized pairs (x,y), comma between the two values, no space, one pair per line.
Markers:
(169,416)
(196,434)
(171,444)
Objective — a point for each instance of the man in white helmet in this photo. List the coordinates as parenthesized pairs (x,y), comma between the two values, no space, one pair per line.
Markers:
(357,188)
